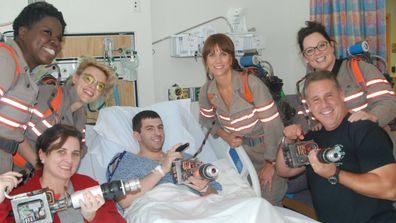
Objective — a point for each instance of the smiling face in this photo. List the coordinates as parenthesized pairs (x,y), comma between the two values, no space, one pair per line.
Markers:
(61,163)
(326,102)
(322,58)
(42,42)
(89,84)
(219,62)
(151,136)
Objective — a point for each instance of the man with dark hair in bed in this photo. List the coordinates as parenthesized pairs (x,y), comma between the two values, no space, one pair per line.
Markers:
(151,164)
(361,187)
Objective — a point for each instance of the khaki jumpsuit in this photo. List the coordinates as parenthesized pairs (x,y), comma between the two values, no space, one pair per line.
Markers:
(376,97)
(63,115)
(259,123)
(16,101)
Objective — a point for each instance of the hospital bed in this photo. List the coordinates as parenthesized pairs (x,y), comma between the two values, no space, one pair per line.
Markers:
(239,201)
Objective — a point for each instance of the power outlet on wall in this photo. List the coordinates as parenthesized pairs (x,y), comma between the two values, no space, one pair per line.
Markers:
(135,6)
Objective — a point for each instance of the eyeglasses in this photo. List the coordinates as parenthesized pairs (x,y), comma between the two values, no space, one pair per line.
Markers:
(89,79)
(322,46)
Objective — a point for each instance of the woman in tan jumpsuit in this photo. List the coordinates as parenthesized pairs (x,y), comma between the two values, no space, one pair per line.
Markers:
(256,126)
(375,101)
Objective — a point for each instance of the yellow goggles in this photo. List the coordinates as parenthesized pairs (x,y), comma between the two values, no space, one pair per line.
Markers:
(89,79)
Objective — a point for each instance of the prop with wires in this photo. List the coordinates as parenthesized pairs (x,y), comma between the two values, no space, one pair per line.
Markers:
(361,51)
(263,70)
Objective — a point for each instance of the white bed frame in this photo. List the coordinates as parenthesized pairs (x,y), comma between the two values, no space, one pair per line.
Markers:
(240,160)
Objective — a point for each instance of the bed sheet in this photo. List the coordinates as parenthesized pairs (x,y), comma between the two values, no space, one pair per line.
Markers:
(235,203)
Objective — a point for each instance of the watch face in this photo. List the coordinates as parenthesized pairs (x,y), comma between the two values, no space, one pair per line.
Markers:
(333,180)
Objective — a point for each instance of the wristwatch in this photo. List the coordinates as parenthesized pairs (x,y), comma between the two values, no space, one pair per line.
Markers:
(334,179)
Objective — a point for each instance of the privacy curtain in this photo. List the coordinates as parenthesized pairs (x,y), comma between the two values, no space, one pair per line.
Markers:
(351,21)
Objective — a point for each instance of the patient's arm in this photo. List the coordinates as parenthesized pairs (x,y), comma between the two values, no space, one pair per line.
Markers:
(146,184)
(149,181)
(282,169)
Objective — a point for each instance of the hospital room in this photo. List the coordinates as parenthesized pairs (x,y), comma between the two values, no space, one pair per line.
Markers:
(205,111)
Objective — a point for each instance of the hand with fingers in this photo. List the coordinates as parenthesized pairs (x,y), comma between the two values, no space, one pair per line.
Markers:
(362,115)
(265,176)
(233,140)
(325,170)
(90,205)
(171,156)
(8,181)
(293,133)
(198,184)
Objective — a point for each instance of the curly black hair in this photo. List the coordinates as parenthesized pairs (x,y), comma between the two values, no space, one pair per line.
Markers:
(33,13)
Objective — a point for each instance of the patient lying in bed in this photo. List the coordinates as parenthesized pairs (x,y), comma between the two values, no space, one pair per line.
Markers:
(151,165)
(167,202)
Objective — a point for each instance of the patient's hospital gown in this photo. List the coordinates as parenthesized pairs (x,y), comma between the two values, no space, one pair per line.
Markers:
(132,166)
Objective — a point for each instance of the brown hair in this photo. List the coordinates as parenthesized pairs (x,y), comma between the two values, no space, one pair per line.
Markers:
(225,44)
(45,141)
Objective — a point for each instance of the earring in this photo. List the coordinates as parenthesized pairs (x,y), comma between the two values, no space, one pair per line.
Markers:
(42,161)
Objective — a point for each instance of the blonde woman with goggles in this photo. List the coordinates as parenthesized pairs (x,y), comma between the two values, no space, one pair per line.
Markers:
(67,104)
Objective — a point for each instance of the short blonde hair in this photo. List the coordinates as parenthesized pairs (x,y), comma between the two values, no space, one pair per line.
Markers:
(109,72)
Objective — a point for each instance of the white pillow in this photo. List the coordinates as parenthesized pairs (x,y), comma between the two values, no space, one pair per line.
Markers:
(114,125)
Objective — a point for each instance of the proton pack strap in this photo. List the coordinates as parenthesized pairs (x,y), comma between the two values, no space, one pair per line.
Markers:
(247,94)
(8,145)
(18,160)
(358,75)
(55,104)
(13,54)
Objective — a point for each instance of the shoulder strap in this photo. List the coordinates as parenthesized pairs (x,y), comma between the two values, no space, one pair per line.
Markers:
(111,168)
(247,94)
(358,75)
(13,54)
(55,103)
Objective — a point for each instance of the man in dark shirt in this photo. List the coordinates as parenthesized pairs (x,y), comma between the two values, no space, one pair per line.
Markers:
(361,187)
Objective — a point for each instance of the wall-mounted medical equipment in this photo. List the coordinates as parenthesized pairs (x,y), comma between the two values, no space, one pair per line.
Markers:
(114,49)
(176,93)
(185,45)
(191,44)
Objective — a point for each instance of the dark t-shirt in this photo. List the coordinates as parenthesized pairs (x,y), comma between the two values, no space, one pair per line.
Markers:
(367,147)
